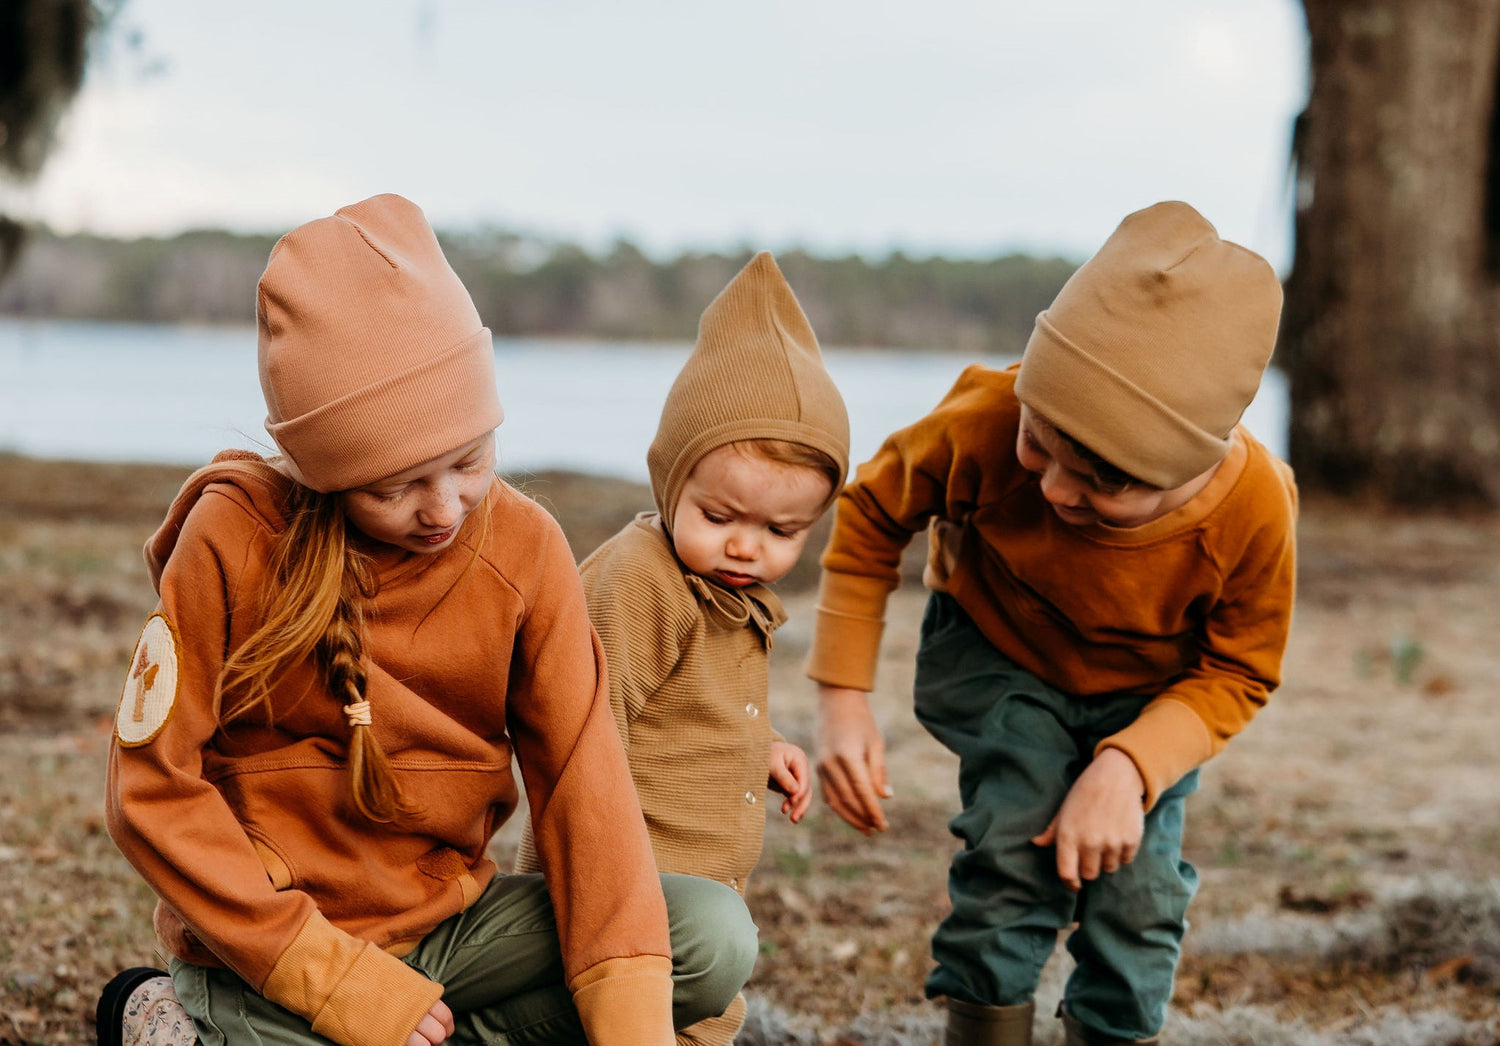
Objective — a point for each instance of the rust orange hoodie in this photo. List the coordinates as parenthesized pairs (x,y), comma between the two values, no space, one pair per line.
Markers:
(247,832)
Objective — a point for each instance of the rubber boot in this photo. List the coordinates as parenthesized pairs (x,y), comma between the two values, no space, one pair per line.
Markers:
(973,1025)
(1077,1034)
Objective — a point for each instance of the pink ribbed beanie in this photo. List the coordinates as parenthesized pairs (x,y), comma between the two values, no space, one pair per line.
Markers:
(755,373)
(372,356)
(1155,346)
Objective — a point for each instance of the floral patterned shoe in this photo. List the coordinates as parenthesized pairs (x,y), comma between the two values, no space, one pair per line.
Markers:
(139,1008)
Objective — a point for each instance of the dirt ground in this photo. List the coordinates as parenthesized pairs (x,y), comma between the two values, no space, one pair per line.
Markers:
(1348,842)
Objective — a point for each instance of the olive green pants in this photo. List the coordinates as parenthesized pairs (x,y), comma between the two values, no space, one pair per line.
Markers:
(1021,745)
(502,974)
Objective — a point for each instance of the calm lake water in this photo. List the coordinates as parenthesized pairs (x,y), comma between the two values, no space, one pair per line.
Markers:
(118,392)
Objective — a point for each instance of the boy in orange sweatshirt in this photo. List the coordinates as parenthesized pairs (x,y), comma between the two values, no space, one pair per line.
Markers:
(1112,574)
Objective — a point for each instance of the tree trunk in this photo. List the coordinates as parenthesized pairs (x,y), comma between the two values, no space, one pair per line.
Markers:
(1389,334)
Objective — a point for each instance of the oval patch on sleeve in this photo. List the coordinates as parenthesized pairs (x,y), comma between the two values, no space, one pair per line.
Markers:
(150,686)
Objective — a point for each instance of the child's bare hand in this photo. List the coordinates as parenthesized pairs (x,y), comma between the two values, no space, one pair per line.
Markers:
(433,1028)
(851,758)
(1099,826)
(791,777)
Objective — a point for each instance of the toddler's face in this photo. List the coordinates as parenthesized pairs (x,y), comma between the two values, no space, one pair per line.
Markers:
(742,518)
(421,509)
(1073,488)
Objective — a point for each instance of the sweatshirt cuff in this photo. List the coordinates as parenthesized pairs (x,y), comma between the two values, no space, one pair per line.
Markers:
(626,1001)
(1166,740)
(351,991)
(851,620)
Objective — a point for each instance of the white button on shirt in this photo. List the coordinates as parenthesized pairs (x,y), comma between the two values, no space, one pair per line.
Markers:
(750,798)
(752,711)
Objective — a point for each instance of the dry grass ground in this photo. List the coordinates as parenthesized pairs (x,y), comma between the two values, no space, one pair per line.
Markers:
(1349,842)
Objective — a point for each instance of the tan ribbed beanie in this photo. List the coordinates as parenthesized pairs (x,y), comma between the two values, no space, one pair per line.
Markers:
(755,373)
(1155,346)
(372,356)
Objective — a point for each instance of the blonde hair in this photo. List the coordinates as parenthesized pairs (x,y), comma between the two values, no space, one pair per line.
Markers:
(789,452)
(314,596)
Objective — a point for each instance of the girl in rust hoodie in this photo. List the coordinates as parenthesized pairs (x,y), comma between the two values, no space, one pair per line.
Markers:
(313,746)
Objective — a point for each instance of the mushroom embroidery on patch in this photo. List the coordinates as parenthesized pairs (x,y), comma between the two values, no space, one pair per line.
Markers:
(151,688)
(144,675)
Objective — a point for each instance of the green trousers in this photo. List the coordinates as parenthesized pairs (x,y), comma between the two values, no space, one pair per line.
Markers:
(1021,745)
(501,969)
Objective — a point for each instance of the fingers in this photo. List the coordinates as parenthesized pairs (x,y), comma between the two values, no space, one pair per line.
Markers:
(796,805)
(1067,864)
(783,781)
(1081,861)
(851,758)
(800,771)
(848,793)
(874,785)
(878,780)
(444,1016)
(849,790)
(1089,863)
(431,1031)
(838,793)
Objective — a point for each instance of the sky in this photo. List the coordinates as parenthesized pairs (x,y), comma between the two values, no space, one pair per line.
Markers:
(941,127)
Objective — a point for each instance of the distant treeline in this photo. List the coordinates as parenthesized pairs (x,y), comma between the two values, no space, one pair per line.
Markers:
(526,286)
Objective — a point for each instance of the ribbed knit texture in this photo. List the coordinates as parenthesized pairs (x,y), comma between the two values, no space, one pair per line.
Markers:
(687,666)
(755,373)
(1154,348)
(372,356)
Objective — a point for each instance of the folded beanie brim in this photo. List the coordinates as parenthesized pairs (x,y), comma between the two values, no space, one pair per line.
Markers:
(1111,415)
(441,403)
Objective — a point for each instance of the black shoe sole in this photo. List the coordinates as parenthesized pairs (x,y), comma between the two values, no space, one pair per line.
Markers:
(109,1015)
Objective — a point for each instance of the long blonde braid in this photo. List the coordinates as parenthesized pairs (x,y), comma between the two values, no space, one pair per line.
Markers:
(316,590)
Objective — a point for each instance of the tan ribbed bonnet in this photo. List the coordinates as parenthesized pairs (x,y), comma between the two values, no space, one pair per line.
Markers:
(1154,348)
(372,356)
(755,373)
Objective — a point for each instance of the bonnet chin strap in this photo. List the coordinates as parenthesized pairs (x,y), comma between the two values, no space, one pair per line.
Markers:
(741,607)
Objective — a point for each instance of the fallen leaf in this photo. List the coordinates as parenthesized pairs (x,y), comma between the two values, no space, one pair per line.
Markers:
(1449,969)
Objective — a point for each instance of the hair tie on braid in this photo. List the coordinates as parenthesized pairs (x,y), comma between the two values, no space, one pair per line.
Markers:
(358,713)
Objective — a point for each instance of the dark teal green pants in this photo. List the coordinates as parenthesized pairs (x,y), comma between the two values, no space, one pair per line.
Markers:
(502,974)
(1021,744)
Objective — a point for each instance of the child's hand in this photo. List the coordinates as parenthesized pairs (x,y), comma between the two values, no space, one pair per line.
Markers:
(1100,823)
(790,776)
(434,1028)
(851,758)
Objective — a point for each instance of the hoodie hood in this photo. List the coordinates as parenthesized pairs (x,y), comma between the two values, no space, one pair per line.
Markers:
(259,478)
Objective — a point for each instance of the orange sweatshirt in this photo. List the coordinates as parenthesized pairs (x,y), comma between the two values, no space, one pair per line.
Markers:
(247,833)
(1192,608)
